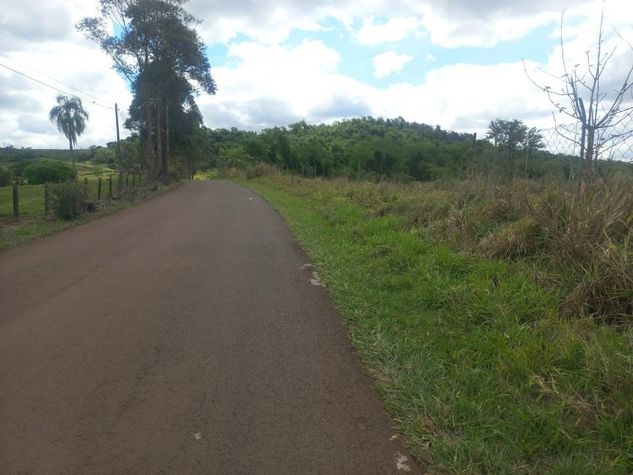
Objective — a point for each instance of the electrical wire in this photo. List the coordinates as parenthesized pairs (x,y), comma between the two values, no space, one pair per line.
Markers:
(56,88)
(33,70)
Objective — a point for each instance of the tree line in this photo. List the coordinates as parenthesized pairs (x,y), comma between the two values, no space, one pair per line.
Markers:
(395,149)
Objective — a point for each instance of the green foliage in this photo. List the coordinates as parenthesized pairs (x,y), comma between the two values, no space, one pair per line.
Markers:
(70,118)
(68,199)
(44,171)
(5,176)
(358,148)
(470,354)
(103,155)
(393,149)
(156,47)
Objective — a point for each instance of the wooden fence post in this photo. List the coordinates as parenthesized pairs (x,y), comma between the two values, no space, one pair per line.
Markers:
(134,181)
(99,190)
(127,181)
(110,187)
(120,183)
(47,198)
(16,202)
(86,187)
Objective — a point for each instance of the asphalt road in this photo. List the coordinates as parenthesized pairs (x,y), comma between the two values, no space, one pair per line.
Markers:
(185,335)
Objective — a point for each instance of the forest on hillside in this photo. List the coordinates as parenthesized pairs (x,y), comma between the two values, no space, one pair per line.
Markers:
(361,148)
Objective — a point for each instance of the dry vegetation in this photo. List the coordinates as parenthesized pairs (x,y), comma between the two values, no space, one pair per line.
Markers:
(583,241)
(495,319)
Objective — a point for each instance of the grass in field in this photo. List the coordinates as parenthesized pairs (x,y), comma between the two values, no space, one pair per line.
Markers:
(470,354)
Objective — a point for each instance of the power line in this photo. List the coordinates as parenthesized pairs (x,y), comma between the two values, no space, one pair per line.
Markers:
(52,79)
(56,88)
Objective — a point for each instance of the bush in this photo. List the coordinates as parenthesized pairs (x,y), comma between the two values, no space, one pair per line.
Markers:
(68,200)
(5,176)
(48,171)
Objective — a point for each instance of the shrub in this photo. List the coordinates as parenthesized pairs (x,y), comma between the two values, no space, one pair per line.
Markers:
(68,199)
(5,176)
(52,171)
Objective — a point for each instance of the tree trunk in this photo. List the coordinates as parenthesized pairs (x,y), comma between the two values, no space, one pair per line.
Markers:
(166,132)
(150,145)
(72,155)
(159,140)
(163,135)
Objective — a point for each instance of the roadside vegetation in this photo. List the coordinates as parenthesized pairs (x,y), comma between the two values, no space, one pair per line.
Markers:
(70,202)
(495,319)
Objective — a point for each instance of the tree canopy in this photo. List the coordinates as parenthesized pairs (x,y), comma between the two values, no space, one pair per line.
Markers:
(70,118)
(156,47)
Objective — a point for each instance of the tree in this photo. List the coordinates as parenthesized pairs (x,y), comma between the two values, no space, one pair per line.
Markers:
(597,112)
(512,137)
(533,142)
(70,118)
(156,47)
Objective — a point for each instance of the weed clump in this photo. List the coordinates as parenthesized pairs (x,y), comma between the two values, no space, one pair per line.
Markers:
(68,200)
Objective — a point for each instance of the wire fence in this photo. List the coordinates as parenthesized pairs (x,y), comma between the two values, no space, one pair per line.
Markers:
(618,141)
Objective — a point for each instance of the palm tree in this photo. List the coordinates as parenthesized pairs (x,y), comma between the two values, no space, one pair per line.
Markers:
(70,117)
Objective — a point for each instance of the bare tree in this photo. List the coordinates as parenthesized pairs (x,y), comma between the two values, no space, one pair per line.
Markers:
(598,114)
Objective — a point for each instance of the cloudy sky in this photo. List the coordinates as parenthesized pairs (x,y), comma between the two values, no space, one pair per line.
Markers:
(456,63)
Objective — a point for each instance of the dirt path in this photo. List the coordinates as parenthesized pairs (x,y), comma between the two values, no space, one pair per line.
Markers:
(181,336)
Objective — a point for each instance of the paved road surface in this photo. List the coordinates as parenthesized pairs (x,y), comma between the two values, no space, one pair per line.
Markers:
(180,336)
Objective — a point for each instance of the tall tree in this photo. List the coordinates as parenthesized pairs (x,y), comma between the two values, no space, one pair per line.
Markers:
(508,136)
(600,113)
(70,118)
(156,47)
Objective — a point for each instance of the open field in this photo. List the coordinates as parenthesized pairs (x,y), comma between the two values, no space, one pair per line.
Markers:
(469,341)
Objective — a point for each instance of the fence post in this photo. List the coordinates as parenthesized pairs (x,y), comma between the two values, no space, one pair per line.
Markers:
(134,181)
(86,187)
(99,190)
(47,203)
(110,187)
(16,202)
(127,181)
(120,183)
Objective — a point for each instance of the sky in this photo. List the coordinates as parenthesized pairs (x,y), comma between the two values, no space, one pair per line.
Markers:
(454,63)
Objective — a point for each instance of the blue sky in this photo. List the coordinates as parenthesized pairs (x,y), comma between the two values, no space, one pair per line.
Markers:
(454,63)
(356,58)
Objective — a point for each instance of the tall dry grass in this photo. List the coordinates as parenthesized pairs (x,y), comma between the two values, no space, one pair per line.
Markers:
(585,240)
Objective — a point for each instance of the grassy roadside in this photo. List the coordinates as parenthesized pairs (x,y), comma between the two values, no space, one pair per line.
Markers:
(471,355)
(34,223)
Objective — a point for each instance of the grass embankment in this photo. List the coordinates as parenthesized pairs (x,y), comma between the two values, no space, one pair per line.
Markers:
(469,350)
(34,222)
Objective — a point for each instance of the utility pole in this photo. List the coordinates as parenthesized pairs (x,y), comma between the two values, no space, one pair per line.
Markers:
(118,138)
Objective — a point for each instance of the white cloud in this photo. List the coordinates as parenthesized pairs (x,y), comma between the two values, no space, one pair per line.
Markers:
(389,62)
(260,91)
(395,29)
(267,82)
(58,53)
(449,23)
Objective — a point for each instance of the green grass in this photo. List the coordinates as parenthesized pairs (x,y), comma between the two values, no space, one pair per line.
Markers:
(471,355)
(31,201)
